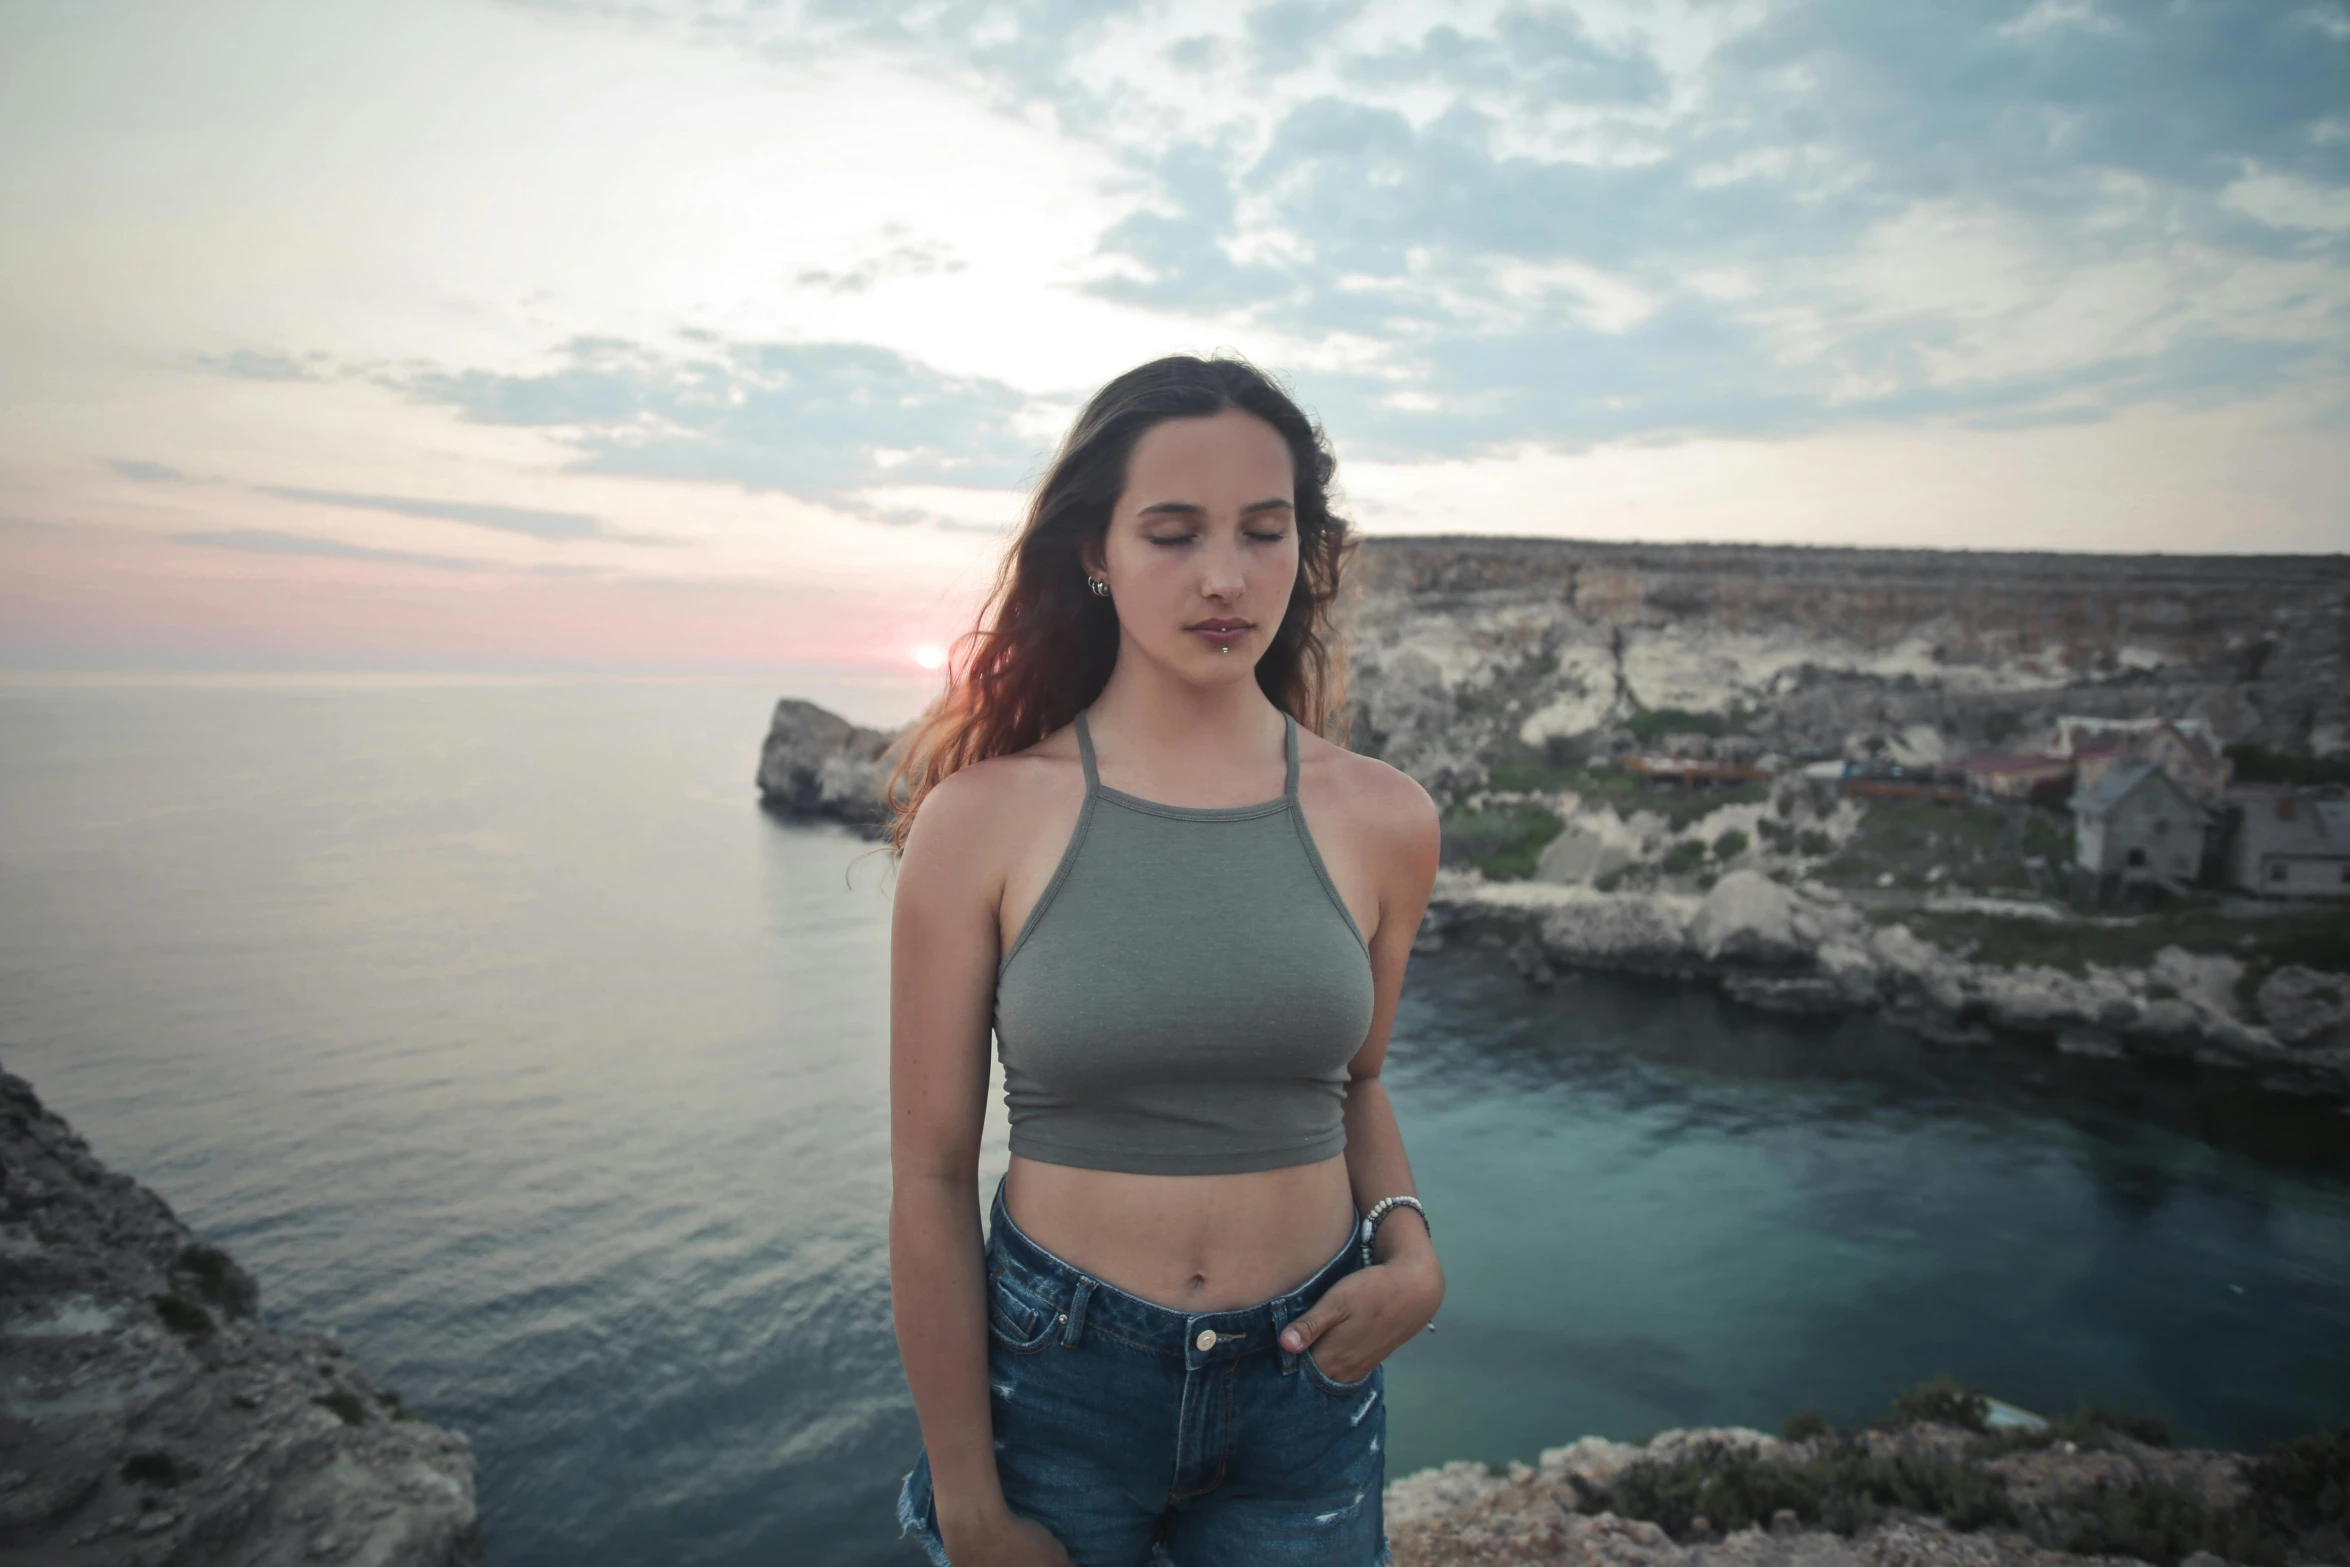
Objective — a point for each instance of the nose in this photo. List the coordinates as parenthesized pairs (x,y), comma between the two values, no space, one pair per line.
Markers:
(1221,574)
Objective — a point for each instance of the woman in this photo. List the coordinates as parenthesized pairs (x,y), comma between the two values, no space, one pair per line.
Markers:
(1185,915)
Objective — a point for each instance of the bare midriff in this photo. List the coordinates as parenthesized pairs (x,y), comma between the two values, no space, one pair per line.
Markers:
(1187,1242)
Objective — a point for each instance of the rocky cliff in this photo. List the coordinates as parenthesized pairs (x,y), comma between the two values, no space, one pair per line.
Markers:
(1469,650)
(149,1418)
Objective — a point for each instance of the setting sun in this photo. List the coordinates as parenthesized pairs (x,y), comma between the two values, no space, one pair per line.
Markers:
(930,656)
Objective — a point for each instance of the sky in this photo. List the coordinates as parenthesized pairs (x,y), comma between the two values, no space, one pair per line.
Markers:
(680,336)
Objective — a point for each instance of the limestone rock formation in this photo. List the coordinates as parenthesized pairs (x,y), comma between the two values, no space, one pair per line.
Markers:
(148,1418)
(1465,649)
(1640,932)
(1777,947)
(1589,847)
(2305,1008)
(1748,918)
(816,763)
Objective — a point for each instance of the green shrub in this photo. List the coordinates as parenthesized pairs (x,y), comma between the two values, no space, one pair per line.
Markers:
(2256,763)
(1803,1425)
(217,1278)
(182,1315)
(1684,857)
(1843,1487)
(1658,721)
(1815,843)
(345,1406)
(1730,845)
(1504,842)
(1944,1400)
(2154,1520)
(1608,881)
(2304,1483)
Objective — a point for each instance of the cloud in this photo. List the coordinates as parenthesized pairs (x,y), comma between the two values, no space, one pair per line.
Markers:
(816,420)
(249,364)
(1285,35)
(1939,97)
(902,261)
(145,472)
(1561,225)
(1797,155)
(270,543)
(506,519)
(1540,58)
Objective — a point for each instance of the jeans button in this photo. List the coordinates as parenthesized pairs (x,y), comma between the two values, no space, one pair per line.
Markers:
(1206,1340)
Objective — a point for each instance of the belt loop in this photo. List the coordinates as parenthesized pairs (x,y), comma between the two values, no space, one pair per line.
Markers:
(1281,1321)
(1077,1304)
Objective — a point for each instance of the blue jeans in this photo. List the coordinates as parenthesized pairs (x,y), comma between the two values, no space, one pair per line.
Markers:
(1142,1435)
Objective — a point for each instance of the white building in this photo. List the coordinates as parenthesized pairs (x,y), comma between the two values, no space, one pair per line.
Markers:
(2135,826)
(2289,843)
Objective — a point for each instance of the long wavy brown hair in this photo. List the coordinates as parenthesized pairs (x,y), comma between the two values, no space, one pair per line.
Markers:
(1044,643)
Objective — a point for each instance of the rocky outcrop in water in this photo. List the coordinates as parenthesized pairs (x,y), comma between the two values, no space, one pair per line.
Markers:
(149,1418)
(816,763)
(1775,947)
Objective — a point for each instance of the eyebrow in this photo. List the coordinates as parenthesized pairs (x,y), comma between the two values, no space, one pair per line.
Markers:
(1190,509)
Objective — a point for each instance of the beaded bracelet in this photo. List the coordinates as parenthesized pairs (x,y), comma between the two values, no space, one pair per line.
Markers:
(1379,1211)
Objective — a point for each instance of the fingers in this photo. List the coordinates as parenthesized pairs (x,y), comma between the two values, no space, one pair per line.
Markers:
(1300,1335)
(1335,1306)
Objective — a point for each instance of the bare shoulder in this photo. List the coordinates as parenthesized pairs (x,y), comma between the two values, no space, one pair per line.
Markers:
(979,816)
(1374,796)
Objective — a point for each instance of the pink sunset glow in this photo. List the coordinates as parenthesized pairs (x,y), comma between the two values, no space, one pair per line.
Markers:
(514,336)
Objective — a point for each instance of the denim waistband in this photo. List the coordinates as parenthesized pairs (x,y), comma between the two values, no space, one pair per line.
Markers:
(1085,1304)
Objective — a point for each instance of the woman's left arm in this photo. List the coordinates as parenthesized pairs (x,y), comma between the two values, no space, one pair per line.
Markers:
(1362,1318)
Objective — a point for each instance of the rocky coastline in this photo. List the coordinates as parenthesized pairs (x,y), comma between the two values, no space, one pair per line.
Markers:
(149,1418)
(1949,1479)
(1782,949)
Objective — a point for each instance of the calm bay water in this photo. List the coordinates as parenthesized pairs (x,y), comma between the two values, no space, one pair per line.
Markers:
(494,1026)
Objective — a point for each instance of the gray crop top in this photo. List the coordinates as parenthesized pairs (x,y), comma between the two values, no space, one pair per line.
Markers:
(1186,994)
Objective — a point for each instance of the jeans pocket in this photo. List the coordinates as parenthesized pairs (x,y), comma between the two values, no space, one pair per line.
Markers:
(1018,1314)
(1330,1384)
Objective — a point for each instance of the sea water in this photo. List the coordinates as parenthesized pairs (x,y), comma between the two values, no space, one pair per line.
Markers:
(493,1025)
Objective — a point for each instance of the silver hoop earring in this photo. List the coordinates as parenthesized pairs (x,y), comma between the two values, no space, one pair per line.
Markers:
(1100,586)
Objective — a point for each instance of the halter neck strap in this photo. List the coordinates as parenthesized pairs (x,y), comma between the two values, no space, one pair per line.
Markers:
(1093,776)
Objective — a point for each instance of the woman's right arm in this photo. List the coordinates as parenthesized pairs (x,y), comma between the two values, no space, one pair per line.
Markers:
(941,996)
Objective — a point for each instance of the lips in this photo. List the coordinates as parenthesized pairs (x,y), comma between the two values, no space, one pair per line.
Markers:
(1220,634)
